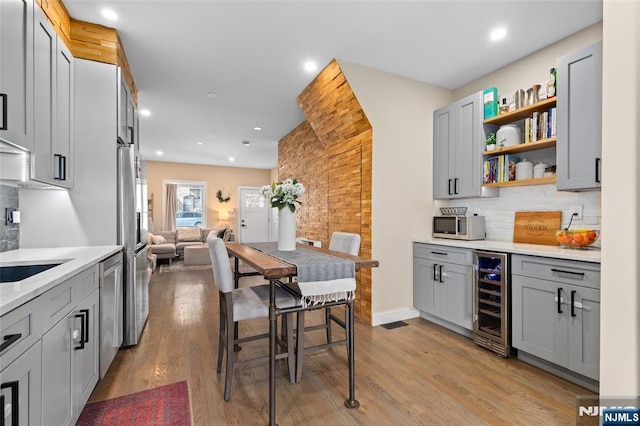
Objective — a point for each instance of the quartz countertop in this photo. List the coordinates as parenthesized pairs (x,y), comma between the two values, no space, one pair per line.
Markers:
(583,255)
(75,259)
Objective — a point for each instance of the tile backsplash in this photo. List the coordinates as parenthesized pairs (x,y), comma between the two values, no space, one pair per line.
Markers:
(9,233)
(499,211)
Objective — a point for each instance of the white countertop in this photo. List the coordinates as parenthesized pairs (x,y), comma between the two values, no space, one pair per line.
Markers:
(584,255)
(75,260)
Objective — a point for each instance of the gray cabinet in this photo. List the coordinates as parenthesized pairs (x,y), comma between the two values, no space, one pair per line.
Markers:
(53,105)
(16,72)
(556,312)
(70,347)
(20,384)
(127,114)
(458,138)
(579,125)
(442,283)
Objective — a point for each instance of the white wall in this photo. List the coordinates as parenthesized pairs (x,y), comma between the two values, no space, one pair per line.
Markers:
(86,214)
(620,288)
(400,111)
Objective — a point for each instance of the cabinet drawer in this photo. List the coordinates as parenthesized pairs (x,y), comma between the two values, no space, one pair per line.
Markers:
(86,282)
(583,274)
(58,302)
(22,326)
(443,253)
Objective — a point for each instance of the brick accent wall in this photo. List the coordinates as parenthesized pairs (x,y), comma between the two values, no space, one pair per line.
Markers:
(331,154)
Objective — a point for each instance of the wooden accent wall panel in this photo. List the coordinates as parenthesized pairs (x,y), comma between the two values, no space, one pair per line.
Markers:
(331,154)
(89,41)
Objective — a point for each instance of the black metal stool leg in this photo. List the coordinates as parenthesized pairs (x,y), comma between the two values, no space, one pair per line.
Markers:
(351,402)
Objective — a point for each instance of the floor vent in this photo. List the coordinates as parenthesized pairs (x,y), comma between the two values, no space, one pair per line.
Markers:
(394,324)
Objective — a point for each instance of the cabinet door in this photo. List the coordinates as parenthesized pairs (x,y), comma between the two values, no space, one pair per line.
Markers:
(537,327)
(44,62)
(584,331)
(25,376)
(16,72)
(85,356)
(579,126)
(455,294)
(425,296)
(63,140)
(443,135)
(125,111)
(466,152)
(57,357)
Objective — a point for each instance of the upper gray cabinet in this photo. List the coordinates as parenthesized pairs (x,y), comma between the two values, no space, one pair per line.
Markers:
(579,125)
(457,149)
(53,106)
(16,72)
(127,112)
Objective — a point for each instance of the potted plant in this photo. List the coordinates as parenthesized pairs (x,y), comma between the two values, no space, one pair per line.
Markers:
(491,142)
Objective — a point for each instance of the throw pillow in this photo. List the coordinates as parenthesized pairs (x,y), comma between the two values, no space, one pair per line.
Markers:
(227,235)
(158,239)
(149,238)
(189,234)
(221,233)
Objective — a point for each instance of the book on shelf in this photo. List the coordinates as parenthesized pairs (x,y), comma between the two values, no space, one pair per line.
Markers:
(501,168)
(541,125)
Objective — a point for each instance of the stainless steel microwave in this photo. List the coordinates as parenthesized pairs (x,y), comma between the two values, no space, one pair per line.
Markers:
(459,227)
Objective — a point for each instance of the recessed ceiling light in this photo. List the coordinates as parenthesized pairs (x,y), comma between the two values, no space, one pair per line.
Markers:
(109,14)
(257,128)
(213,95)
(246,143)
(158,152)
(199,143)
(498,34)
(310,66)
(145,112)
(231,159)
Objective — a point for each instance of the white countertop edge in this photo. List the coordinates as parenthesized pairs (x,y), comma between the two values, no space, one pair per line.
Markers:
(12,295)
(556,252)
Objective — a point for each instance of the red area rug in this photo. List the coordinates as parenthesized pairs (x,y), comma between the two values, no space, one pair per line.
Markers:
(164,405)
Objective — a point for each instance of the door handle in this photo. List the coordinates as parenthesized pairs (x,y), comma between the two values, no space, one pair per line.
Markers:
(559,300)
(15,402)
(455,186)
(9,340)
(573,301)
(435,272)
(450,193)
(81,343)
(5,124)
(86,324)
(562,271)
(441,274)
(598,160)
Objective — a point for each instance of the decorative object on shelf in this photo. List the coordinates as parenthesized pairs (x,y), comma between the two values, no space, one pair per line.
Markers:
(508,135)
(533,94)
(519,98)
(524,170)
(490,101)
(551,84)
(491,142)
(221,198)
(284,195)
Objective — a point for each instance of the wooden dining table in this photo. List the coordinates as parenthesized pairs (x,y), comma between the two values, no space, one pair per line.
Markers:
(276,271)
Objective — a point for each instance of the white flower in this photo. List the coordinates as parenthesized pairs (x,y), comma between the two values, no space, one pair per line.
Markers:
(284,194)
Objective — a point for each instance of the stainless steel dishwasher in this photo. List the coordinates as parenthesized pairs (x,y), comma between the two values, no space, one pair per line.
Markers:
(111,310)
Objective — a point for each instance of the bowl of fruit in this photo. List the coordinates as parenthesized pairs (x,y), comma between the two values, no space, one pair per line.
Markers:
(577,238)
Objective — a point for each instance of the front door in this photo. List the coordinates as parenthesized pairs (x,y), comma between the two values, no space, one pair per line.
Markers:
(253,211)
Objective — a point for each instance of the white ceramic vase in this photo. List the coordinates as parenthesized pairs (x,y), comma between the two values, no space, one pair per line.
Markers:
(286,230)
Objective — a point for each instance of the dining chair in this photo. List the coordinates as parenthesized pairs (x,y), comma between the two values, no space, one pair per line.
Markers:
(343,242)
(245,303)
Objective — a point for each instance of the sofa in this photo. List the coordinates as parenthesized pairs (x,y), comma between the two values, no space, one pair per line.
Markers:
(171,244)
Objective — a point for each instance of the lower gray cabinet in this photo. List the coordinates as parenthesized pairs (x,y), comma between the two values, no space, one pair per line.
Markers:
(20,389)
(70,352)
(442,283)
(556,312)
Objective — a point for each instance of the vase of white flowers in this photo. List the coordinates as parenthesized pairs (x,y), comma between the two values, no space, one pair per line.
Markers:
(284,195)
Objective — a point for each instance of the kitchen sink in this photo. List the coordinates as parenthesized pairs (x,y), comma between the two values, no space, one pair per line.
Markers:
(9,274)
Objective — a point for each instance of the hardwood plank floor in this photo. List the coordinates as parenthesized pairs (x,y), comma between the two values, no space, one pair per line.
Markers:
(420,374)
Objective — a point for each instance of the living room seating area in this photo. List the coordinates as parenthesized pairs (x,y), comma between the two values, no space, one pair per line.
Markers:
(172,244)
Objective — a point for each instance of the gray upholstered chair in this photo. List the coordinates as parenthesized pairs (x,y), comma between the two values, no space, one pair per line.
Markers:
(238,304)
(346,243)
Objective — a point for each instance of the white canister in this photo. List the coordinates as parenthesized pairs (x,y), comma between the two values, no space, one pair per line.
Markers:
(508,135)
(524,170)
(539,169)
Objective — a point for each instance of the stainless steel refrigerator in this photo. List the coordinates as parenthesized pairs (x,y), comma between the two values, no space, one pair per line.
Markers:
(132,229)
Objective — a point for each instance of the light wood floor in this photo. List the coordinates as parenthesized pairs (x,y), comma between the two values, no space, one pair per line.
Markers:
(420,374)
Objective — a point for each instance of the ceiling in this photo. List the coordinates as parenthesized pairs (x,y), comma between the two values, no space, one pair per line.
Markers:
(249,55)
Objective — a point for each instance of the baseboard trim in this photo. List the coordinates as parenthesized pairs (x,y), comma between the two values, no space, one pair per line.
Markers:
(392,316)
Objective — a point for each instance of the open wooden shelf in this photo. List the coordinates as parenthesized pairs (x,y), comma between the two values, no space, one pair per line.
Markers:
(521,113)
(523,182)
(523,147)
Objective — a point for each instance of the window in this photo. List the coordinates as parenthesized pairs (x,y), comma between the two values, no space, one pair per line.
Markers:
(190,204)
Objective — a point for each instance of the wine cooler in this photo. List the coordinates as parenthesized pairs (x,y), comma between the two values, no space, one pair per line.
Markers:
(491,301)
